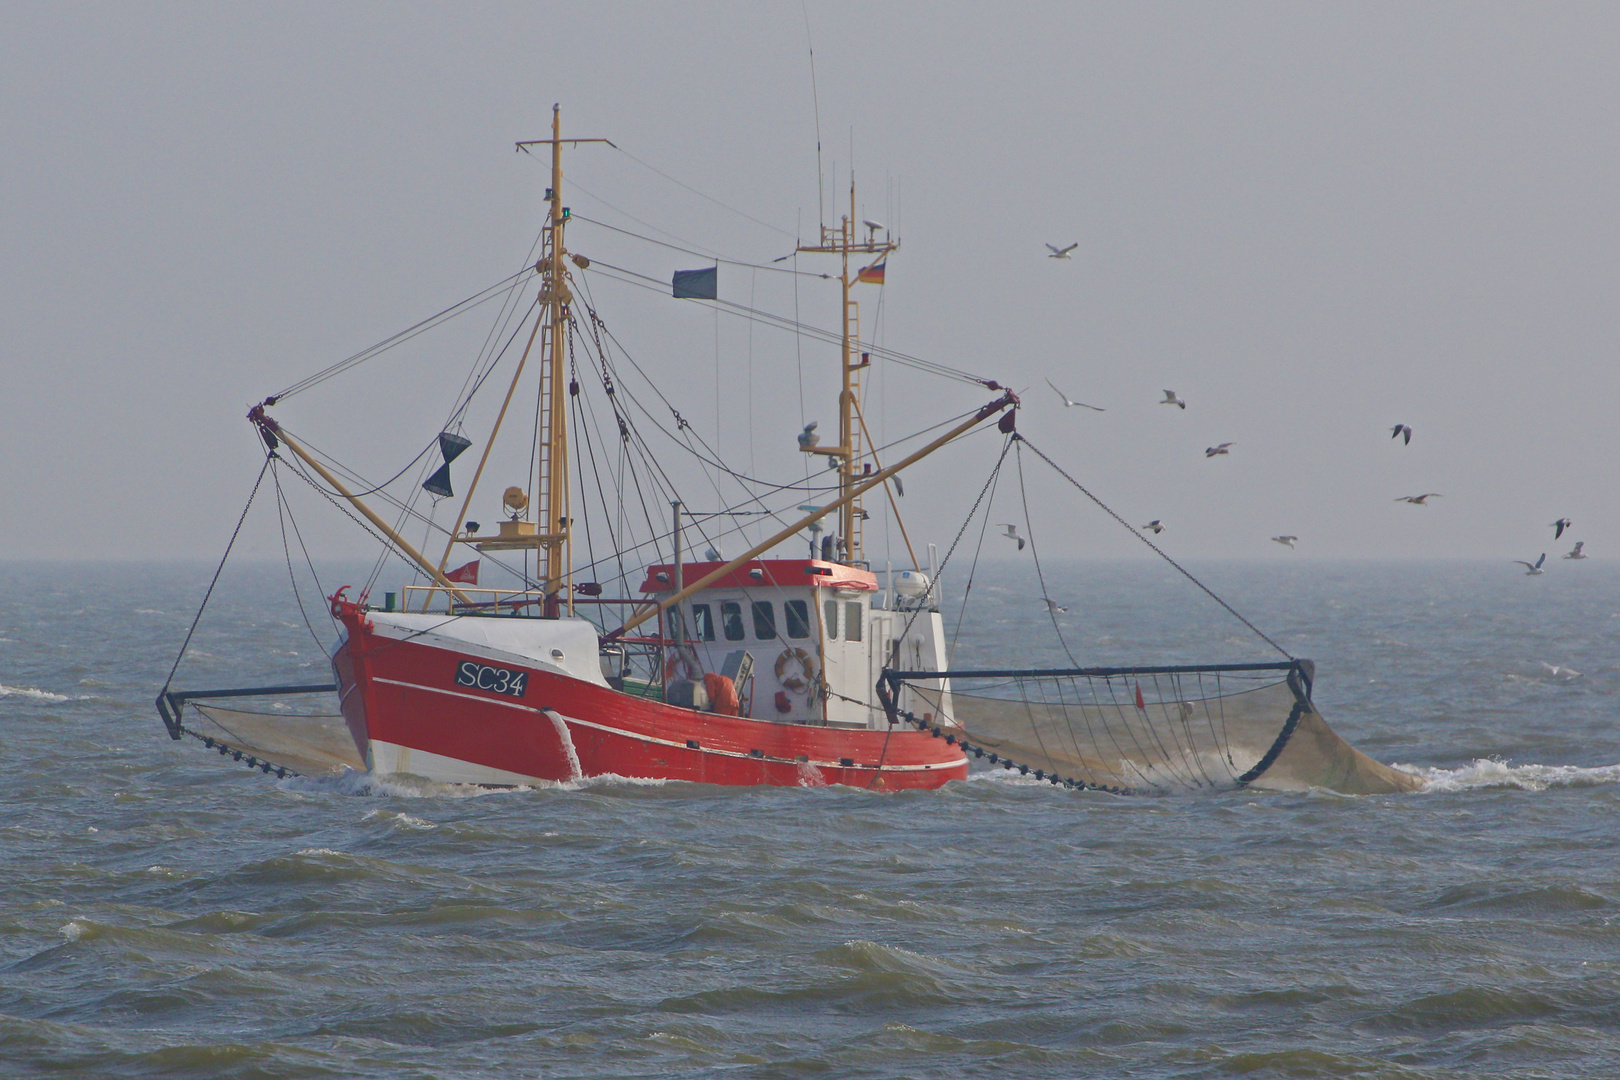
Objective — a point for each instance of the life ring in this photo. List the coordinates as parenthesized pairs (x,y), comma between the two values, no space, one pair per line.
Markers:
(807,670)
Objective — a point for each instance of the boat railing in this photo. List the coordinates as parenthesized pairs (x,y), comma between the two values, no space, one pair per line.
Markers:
(513,600)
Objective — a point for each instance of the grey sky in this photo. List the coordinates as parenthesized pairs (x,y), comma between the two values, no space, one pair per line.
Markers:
(1311,221)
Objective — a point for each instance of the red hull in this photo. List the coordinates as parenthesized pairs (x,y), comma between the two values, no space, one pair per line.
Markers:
(403,706)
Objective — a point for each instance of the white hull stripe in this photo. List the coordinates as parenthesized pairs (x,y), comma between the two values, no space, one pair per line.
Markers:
(555,717)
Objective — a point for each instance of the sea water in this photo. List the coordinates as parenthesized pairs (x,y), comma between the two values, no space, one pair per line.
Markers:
(166,912)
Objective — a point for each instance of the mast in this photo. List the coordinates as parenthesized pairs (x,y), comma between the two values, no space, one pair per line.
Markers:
(551,481)
(551,504)
(846,456)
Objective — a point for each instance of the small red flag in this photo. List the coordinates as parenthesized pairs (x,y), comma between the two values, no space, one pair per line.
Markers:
(873,273)
(1140,704)
(467,575)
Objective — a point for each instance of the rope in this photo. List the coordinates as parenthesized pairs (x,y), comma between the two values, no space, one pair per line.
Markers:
(268,458)
(1156,549)
(932,585)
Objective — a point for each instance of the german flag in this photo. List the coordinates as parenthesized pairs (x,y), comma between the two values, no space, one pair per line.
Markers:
(873,273)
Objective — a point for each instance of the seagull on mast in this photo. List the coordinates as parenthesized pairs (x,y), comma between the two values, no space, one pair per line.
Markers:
(1577,553)
(1285,541)
(1534,568)
(1069,404)
(1171,399)
(1011,533)
(1559,526)
(1420,500)
(1402,429)
(1061,253)
(1216,451)
(1156,526)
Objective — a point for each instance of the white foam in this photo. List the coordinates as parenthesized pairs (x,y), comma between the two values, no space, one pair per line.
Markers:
(74,929)
(31,692)
(405,820)
(369,785)
(1486,773)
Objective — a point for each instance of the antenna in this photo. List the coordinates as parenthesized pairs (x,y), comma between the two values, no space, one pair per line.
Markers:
(815,99)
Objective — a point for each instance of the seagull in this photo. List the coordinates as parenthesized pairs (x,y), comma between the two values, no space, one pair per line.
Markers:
(808,437)
(1011,533)
(1401,429)
(472,527)
(1052,606)
(1535,567)
(1286,541)
(1214,451)
(1420,500)
(1067,403)
(1156,525)
(1559,671)
(899,488)
(1171,399)
(1559,526)
(1061,253)
(1577,553)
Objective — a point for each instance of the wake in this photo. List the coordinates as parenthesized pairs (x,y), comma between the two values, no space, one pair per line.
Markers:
(1487,773)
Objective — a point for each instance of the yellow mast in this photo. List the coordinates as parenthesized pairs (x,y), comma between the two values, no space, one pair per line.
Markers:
(847,455)
(551,502)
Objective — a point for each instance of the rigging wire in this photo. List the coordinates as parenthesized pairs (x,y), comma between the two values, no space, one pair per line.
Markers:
(1156,549)
(699,194)
(699,254)
(186,644)
(286,549)
(476,300)
(782,322)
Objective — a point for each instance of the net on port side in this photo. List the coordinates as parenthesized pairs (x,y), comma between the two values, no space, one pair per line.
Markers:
(276,729)
(1145,730)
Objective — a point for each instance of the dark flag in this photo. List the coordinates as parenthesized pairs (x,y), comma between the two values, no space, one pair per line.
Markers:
(697,284)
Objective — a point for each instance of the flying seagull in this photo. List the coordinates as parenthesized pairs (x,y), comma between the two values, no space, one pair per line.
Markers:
(1577,553)
(1535,567)
(1171,399)
(1068,404)
(1011,533)
(1214,451)
(1061,253)
(1401,429)
(1559,526)
(1155,525)
(1052,606)
(1286,541)
(1420,500)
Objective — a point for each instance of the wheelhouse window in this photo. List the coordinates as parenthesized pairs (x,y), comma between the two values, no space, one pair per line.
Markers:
(764,620)
(829,611)
(797,614)
(852,621)
(731,620)
(702,622)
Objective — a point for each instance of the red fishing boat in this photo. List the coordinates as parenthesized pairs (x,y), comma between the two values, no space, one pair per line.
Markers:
(786,665)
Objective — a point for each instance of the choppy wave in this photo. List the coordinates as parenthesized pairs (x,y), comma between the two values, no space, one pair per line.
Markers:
(32,692)
(1488,773)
